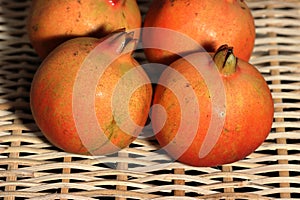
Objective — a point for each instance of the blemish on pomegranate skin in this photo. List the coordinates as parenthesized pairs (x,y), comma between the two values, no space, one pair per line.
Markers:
(35,28)
(75,53)
(172,2)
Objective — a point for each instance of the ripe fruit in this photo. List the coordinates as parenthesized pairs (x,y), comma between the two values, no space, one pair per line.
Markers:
(247,113)
(209,22)
(52,22)
(87,83)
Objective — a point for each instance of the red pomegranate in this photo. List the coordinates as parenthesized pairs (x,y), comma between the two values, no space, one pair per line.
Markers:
(81,88)
(52,22)
(211,23)
(247,113)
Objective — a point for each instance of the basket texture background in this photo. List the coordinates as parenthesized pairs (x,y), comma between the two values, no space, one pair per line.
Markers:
(31,168)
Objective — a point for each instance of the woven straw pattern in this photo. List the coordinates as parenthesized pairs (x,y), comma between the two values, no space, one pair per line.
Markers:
(31,168)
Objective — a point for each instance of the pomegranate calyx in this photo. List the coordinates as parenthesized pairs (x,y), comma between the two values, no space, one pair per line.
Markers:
(122,41)
(225,60)
(128,43)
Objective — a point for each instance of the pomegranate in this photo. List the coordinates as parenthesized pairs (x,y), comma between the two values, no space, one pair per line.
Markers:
(211,23)
(81,89)
(52,22)
(247,114)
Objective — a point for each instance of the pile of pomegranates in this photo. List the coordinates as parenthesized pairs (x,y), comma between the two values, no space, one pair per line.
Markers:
(87,73)
(90,96)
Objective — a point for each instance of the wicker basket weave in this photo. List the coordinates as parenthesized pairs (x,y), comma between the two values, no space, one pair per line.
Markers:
(31,168)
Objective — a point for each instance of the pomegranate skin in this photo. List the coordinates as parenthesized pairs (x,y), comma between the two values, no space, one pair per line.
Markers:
(211,23)
(248,115)
(51,23)
(53,100)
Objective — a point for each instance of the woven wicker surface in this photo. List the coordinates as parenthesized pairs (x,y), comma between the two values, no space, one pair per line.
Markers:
(31,168)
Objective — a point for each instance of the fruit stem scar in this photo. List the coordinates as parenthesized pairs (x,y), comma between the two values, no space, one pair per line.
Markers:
(225,60)
(114,2)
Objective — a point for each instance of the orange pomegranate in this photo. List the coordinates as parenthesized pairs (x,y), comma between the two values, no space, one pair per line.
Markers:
(86,100)
(52,22)
(209,22)
(247,112)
